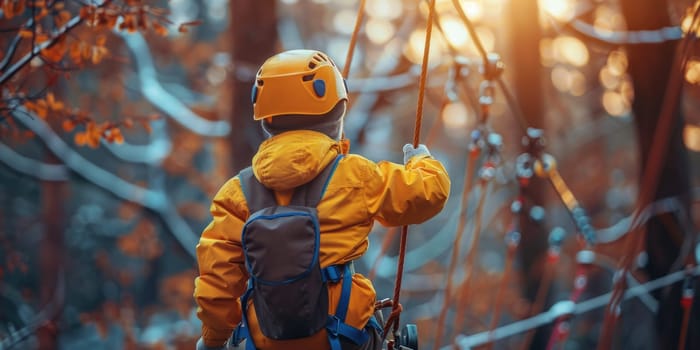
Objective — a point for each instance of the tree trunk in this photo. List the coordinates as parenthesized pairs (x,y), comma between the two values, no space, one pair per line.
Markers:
(53,196)
(254,32)
(524,43)
(650,66)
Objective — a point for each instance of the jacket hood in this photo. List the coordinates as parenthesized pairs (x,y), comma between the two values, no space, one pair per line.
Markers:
(291,159)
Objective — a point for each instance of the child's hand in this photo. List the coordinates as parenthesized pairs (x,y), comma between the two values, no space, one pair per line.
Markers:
(410,152)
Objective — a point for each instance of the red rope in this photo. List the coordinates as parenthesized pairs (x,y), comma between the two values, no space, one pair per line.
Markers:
(353,39)
(650,181)
(462,300)
(396,310)
(468,178)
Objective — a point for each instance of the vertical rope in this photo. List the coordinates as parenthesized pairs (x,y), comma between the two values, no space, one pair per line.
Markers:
(468,178)
(353,39)
(396,310)
(501,290)
(423,75)
(540,298)
(484,188)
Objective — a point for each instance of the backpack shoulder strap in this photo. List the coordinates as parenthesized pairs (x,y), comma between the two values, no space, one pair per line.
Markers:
(310,194)
(256,195)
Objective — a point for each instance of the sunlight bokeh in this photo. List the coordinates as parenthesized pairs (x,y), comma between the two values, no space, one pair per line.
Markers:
(558,9)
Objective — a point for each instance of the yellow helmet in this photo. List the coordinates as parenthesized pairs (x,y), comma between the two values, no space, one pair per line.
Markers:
(297,82)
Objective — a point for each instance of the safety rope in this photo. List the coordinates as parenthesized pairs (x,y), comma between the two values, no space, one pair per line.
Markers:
(512,242)
(484,187)
(687,305)
(353,39)
(541,296)
(394,318)
(562,326)
(649,182)
(468,178)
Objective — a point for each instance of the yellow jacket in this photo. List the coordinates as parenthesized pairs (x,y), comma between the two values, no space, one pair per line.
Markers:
(359,192)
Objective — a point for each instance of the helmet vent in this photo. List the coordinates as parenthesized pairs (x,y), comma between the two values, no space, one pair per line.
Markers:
(312,65)
(260,82)
(308,77)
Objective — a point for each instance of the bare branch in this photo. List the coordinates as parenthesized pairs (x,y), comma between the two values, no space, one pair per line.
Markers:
(31,167)
(154,200)
(161,98)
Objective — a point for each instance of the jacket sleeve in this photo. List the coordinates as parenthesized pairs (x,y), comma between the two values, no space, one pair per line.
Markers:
(405,195)
(222,273)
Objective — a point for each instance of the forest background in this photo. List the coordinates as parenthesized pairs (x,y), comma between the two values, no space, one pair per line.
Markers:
(119,120)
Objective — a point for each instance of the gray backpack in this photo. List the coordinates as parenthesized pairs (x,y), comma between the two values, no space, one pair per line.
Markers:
(287,284)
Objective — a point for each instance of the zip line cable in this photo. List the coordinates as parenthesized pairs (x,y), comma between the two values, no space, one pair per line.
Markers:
(590,33)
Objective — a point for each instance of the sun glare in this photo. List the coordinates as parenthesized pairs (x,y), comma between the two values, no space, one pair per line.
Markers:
(559,9)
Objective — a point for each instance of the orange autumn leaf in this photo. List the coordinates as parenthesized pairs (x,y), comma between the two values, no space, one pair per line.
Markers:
(75,52)
(25,33)
(80,139)
(41,37)
(68,125)
(56,52)
(160,29)
(62,18)
(53,103)
(117,136)
(39,107)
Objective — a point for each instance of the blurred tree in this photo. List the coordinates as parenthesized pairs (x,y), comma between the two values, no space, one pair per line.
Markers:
(651,67)
(254,33)
(527,82)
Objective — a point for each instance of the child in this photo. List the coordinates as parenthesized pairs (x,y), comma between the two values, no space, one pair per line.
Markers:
(300,98)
